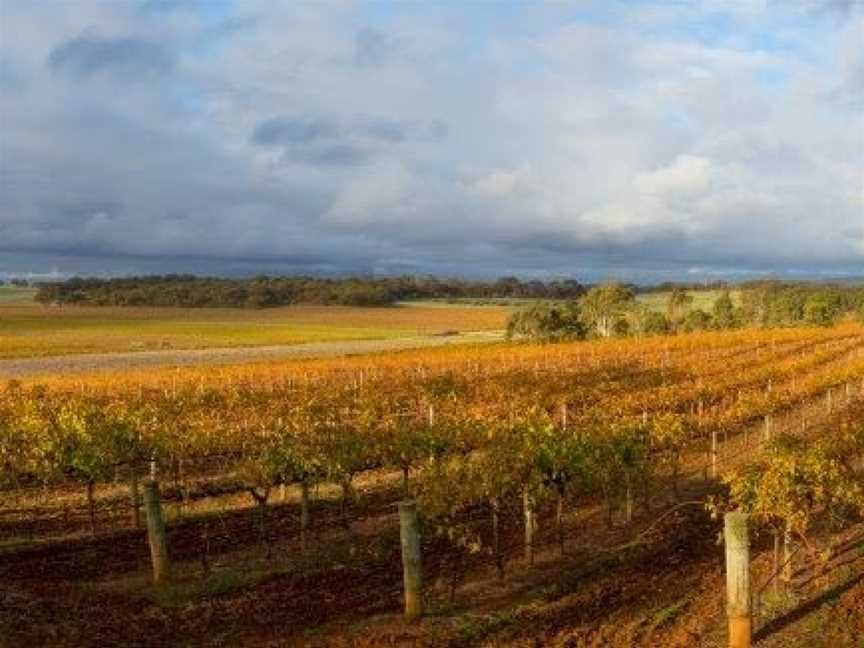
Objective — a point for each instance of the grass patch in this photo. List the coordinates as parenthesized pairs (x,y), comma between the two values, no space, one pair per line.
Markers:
(772,604)
(666,614)
(13,544)
(12,295)
(702,299)
(474,628)
(224,581)
(571,580)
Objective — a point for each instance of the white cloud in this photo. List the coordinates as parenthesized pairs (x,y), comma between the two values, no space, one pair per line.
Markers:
(687,176)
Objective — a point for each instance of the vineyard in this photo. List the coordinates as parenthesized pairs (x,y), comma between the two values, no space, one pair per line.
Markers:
(568,491)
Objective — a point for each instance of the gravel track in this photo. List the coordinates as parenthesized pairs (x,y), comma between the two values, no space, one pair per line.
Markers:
(95,362)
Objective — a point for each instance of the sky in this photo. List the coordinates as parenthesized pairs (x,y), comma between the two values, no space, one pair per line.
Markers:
(633,140)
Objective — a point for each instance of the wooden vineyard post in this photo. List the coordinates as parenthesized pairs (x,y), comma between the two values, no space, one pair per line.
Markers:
(156,533)
(738,579)
(496,536)
(787,554)
(767,434)
(91,507)
(714,454)
(628,498)
(530,524)
(304,514)
(134,495)
(830,401)
(412,571)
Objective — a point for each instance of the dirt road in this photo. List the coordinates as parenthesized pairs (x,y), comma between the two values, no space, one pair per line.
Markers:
(86,363)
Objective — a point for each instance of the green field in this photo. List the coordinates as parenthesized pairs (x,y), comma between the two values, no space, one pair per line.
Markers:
(702,299)
(10,295)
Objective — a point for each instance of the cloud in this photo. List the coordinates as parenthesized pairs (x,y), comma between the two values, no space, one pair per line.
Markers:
(285,131)
(324,141)
(125,57)
(382,128)
(688,175)
(335,155)
(373,47)
(838,7)
(337,137)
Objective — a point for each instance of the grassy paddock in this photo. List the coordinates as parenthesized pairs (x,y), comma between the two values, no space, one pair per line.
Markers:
(13,295)
(28,329)
(703,299)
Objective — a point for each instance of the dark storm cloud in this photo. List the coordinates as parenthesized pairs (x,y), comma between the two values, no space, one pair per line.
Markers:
(124,57)
(335,155)
(285,131)
(323,141)
(373,47)
(382,128)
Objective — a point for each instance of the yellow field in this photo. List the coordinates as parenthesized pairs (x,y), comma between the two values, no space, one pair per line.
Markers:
(28,329)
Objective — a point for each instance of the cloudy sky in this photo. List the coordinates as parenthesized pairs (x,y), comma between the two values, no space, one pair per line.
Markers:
(625,139)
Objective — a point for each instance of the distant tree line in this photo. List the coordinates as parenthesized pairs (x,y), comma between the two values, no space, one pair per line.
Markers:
(18,283)
(612,310)
(264,291)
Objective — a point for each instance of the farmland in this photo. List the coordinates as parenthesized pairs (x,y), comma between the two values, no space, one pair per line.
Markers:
(562,491)
(28,329)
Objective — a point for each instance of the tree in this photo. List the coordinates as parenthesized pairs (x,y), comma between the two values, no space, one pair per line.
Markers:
(724,311)
(821,309)
(602,307)
(676,307)
(547,321)
(650,322)
(696,320)
(754,305)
